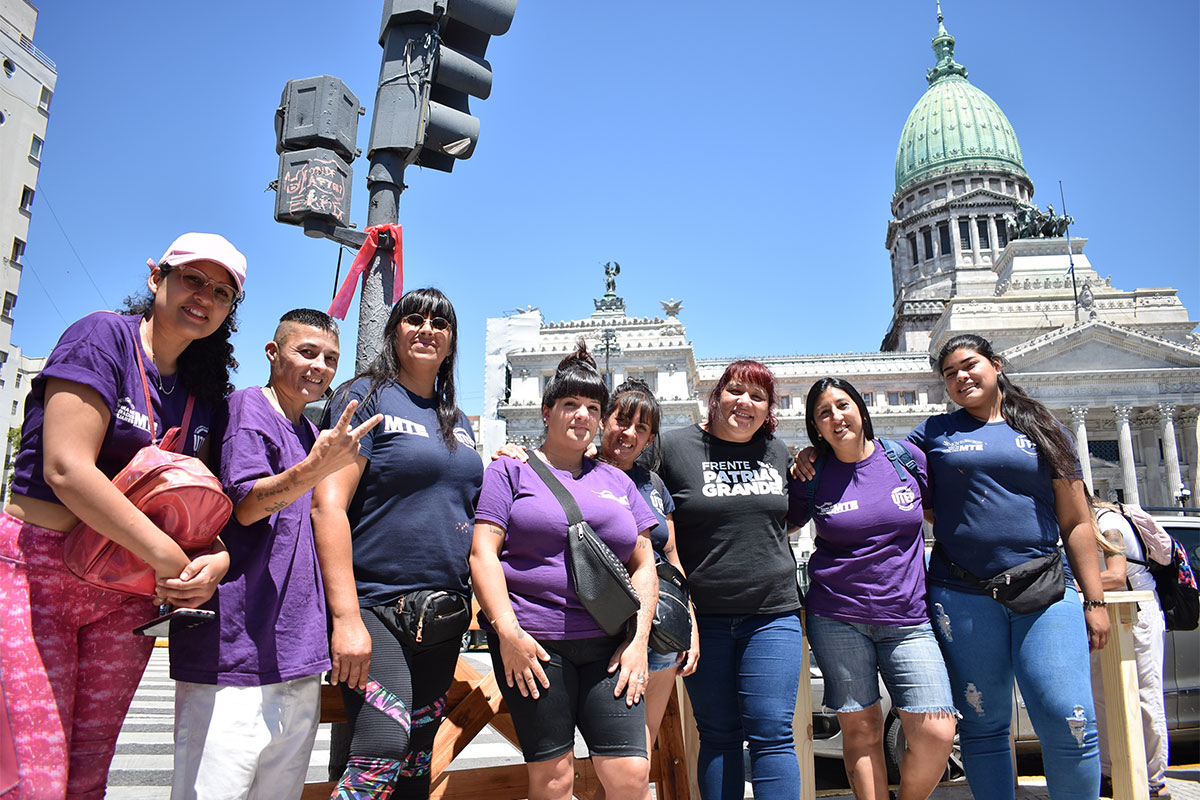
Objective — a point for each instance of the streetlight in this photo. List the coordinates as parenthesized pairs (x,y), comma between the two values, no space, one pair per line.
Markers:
(1183,495)
(610,347)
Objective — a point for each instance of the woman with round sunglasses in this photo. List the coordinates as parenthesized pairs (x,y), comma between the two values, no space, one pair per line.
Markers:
(68,655)
(628,430)
(560,668)
(393,531)
(728,480)
(865,607)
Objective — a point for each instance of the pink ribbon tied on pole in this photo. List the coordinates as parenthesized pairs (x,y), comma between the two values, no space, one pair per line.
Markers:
(341,301)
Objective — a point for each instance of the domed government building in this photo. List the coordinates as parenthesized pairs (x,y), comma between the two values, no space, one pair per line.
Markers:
(969,253)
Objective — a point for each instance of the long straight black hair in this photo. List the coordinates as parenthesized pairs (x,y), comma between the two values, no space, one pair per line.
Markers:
(428,302)
(1020,410)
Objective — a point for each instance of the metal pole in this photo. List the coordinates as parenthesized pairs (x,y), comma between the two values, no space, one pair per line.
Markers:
(385,182)
(1070,256)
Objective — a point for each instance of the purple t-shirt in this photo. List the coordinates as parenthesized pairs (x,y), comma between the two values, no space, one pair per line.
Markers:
(535,542)
(101,351)
(270,624)
(869,562)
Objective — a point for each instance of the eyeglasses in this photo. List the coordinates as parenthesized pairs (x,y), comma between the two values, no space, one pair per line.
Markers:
(419,320)
(196,281)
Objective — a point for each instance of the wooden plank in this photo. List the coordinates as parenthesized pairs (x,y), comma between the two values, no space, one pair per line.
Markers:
(509,782)
(332,707)
(1118,670)
(690,741)
(668,767)
(802,729)
(464,722)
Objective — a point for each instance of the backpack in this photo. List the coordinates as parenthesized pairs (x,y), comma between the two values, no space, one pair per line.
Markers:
(178,493)
(902,460)
(1156,542)
(1175,582)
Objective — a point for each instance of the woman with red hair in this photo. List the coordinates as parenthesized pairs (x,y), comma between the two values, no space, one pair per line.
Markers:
(727,477)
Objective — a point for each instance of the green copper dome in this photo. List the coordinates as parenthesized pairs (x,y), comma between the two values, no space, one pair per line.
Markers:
(954,126)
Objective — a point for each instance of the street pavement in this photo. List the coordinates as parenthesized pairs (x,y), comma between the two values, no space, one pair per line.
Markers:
(141,769)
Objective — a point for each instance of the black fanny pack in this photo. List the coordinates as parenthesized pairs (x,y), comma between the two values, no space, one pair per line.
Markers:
(427,618)
(1027,587)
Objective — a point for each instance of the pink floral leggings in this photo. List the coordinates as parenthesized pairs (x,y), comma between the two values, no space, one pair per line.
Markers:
(69,662)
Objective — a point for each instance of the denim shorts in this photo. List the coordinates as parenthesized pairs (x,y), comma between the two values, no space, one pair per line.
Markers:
(660,661)
(853,656)
(580,694)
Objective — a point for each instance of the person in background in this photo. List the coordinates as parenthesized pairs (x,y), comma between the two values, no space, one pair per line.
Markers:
(248,691)
(396,523)
(1124,567)
(727,478)
(560,668)
(68,655)
(866,608)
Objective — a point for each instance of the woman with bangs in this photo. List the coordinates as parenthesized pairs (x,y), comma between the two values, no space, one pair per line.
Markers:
(396,524)
(727,479)
(560,668)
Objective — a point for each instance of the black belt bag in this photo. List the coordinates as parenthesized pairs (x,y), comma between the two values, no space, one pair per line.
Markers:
(425,619)
(672,628)
(1027,587)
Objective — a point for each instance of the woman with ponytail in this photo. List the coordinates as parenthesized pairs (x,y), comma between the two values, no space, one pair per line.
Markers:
(1006,488)
(560,668)
(392,528)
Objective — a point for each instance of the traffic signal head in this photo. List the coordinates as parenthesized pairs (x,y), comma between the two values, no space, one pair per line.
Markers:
(316,129)
(433,62)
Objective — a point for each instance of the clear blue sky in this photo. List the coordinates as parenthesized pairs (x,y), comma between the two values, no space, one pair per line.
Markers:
(737,157)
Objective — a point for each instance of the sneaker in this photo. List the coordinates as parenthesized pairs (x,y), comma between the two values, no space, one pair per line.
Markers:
(1106,789)
(1161,793)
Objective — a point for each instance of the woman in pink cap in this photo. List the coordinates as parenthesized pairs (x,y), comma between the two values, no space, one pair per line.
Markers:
(68,655)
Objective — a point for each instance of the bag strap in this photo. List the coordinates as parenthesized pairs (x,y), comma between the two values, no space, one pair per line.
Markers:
(810,489)
(187,412)
(574,516)
(955,569)
(899,455)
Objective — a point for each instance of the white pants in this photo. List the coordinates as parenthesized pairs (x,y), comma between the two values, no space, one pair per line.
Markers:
(1148,634)
(244,742)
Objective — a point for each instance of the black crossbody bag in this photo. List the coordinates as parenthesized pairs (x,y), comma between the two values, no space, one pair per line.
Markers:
(601,580)
(1027,587)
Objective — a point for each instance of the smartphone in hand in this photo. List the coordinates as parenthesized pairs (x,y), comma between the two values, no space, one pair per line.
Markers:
(176,620)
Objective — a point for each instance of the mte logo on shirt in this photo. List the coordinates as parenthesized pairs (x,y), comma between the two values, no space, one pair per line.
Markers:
(127,412)
(401,425)
(608,495)
(735,478)
(964,446)
(657,501)
(464,436)
(1026,445)
(829,509)
(904,498)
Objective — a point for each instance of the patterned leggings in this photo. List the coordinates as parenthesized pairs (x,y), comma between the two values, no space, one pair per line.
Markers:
(395,719)
(70,665)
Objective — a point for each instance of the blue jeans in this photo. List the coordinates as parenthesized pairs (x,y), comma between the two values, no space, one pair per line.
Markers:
(985,645)
(745,690)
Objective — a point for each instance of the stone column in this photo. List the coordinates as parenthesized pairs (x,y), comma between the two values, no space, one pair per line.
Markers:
(992,237)
(1125,448)
(1191,451)
(1166,418)
(955,245)
(1147,428)
(1079,425)
(975,239)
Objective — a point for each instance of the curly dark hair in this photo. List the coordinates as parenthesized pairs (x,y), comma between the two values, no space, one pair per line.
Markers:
(427,302)
(205,364)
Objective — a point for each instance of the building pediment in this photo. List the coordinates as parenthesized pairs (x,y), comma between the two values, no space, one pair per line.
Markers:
(980,196)
(1100,346)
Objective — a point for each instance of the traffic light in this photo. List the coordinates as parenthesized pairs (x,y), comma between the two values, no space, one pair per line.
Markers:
(316,128)
(433,61)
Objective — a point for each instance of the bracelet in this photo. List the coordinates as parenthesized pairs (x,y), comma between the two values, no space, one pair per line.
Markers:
(1089,604)
(502,616)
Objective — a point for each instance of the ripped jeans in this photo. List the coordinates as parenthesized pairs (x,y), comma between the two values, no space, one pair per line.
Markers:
(986,645)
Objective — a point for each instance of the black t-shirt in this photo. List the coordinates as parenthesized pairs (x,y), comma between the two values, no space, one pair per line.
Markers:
(413,515)
(731,507)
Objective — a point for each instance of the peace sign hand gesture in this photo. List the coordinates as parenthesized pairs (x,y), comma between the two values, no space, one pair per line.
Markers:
(338,446)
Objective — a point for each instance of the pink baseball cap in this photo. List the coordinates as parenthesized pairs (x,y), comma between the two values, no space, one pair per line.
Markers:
(205,247)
